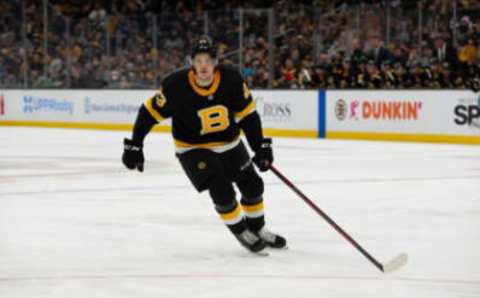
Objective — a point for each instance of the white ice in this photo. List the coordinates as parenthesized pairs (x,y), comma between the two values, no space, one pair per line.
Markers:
(75,223)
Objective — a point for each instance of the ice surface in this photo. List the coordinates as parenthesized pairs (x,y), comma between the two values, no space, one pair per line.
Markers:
(75,223)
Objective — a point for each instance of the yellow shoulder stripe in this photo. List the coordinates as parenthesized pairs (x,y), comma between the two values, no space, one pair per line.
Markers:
(155,114)
(246,111)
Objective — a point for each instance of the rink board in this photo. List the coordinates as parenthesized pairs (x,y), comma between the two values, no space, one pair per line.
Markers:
(447,116)
(283,112)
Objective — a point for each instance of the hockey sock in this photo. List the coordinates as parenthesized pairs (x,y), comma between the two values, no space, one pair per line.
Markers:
(254,213)
(232,216)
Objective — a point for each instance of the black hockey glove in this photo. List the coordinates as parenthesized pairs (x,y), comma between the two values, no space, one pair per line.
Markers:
(132,156)
(264,155)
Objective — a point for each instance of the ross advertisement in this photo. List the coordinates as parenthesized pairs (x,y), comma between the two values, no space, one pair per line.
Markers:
(403,115)
(294,112)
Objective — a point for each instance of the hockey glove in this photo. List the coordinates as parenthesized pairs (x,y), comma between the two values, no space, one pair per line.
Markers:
(132,156)
(264,155)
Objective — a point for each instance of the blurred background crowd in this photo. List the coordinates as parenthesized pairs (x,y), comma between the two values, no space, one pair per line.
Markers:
(276,44)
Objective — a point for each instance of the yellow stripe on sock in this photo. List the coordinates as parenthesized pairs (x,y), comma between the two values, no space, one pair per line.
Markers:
(232,214)
(253,208)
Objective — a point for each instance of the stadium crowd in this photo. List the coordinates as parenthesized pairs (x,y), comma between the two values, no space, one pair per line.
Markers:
(318,44)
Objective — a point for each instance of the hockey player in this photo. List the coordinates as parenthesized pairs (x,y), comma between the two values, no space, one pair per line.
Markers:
(209,104)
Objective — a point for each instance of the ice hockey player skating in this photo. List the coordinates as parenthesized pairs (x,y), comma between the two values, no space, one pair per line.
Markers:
(209,104)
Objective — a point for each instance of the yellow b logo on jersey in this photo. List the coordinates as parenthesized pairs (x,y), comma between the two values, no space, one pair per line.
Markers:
(214,119)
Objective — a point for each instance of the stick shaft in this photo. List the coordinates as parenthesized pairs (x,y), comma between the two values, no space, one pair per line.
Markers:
(327,218)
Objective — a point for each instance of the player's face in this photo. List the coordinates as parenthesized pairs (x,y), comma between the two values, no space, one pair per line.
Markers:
(204,66)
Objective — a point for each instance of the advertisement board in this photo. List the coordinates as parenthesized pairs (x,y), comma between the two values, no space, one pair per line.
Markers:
(284,113)
(292,112)
(445,116)
(449,116)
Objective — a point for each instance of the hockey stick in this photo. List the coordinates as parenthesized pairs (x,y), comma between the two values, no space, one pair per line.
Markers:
(390,266)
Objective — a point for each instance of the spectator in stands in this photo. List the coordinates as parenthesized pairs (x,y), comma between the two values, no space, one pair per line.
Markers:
(379,52)
(357,53)
(467,53)
(111,44)
(444,52)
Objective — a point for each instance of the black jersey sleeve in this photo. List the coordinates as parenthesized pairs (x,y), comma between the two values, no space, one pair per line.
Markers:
(252,127)
(143,125)
(155,109)
(243,103)
(245,112)
(158,106)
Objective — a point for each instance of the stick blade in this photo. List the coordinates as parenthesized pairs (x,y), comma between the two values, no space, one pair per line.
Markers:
(396,263)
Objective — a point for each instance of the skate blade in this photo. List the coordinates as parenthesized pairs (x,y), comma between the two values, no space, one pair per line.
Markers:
(262,253)
(278,248)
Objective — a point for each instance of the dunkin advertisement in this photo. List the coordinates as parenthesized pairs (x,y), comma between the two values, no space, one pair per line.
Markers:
(446,112)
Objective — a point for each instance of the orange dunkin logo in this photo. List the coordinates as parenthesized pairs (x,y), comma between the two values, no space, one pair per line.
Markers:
(391,110)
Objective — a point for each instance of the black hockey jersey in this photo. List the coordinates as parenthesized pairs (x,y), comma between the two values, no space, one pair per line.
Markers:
(202,118)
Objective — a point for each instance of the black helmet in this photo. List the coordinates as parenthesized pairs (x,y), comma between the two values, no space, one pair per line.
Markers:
(204,45)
